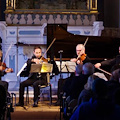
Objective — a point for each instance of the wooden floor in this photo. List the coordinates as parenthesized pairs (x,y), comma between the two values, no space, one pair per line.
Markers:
(44,111)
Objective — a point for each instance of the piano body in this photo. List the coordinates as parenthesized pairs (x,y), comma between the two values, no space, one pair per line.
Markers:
(98,48)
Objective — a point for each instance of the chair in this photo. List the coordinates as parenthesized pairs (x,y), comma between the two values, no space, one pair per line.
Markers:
(42,89)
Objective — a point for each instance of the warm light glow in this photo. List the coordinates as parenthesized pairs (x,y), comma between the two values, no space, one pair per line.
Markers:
(91,5)
(10,4)
(46,68)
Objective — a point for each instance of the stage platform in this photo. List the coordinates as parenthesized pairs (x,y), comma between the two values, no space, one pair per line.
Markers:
(44,111)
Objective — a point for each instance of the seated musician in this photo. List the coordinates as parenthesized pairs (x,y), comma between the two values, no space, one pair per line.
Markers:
(81,56)
(3,71)
(34,79)
(114,63)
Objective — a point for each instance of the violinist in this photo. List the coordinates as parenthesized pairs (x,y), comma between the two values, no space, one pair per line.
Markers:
(3,71)
(81,58)
(34,79)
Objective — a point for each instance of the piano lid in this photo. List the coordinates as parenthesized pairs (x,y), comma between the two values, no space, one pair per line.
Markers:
(96,47)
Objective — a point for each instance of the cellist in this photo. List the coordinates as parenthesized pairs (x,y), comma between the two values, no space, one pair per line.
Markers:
(34,79)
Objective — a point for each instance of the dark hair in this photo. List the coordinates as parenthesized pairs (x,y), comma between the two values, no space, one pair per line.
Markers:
(99,87)
(37,47)
(78,68)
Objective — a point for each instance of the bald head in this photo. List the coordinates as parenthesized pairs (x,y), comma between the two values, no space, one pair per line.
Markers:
(80,49)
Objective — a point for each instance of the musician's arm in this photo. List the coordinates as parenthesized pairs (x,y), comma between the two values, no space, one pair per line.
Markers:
(108,62)
(25,72)
(105,63)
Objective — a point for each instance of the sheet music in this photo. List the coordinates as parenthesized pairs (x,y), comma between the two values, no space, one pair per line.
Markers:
(66,66)
(41,68)
(47,68)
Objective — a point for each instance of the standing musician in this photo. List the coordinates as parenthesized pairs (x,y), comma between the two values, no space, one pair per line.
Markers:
(114,63)
(81,56)
(3,71)
(34,79)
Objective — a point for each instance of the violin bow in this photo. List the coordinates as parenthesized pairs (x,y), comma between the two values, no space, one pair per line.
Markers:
(7,51)
(48,48)
(104,71)
(86,41)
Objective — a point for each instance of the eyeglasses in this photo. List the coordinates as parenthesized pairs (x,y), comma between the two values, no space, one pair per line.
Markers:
(78,50)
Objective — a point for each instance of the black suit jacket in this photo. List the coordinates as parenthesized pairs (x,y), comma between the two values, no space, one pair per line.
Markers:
(36,76)
(114,63)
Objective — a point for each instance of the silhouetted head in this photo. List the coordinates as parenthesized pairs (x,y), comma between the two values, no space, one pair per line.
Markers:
(99,87)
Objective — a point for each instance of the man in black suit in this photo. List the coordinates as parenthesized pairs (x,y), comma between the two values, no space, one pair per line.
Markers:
(34,79)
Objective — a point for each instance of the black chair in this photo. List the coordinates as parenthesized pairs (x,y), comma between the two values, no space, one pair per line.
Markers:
(43,88)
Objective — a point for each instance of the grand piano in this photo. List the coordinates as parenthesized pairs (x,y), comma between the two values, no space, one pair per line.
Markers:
(98,48)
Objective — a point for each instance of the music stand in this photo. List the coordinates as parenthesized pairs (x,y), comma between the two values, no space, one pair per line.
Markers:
(46,68)
(35,68)
(70,66)
(41,68)
(66,66)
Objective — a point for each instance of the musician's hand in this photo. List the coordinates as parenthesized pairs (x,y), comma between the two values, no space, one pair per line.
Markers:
(8,70)
(1,68)
(76,61)
(73,60)
(37,61)
(97,65)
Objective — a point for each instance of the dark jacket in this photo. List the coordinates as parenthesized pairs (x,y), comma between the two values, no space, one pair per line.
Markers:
(26,72)
(114,63)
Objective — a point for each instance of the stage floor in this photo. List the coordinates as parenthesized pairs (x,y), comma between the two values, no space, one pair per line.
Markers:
(44,111)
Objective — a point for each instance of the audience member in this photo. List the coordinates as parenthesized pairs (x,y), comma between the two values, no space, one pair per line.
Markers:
(98,107)
(77,84)
(87,93)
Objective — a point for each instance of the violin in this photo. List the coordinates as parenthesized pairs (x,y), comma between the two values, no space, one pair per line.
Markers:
(39,61)
(82,57)
(44,59)
(3,67)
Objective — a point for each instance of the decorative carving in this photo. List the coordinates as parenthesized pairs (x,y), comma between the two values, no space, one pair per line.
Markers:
(22,20)
(71,20)
(37,19)
(50,20)
(78,21)
(85,20)
(40,19)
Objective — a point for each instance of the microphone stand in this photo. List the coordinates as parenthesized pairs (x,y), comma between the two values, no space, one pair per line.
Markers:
(60,63)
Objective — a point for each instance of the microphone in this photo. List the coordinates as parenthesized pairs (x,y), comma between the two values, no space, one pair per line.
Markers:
(60,51)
